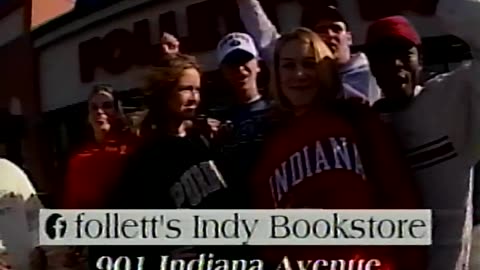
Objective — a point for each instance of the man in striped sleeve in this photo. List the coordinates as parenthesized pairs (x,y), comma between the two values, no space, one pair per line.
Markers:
(438,123)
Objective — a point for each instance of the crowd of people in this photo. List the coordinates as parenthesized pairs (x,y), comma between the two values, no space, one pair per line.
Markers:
(336,130)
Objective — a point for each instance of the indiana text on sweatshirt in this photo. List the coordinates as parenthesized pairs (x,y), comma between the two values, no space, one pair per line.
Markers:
(321,160)
(331,154)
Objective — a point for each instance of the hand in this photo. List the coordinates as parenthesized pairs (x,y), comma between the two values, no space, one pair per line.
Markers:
(225,134)
(170,49)
(214,125)
(170,44)
(208,127)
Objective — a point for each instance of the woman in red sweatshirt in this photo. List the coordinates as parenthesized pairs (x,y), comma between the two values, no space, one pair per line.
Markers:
(94,170)
(329,153)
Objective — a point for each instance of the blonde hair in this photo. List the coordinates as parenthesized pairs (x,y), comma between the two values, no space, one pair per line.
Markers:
(326,67)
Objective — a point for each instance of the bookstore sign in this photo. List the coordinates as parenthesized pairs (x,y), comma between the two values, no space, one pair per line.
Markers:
(121,49)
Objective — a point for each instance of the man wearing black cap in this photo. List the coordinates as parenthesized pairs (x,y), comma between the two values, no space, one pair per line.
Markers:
(332,28)
(438,123)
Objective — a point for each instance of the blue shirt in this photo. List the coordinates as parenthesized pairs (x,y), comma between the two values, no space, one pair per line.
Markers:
(244,141)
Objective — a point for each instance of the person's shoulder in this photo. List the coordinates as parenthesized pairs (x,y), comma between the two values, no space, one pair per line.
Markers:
(127,142)
(361,114)
(357,105)
(83,152)
(440,78)
(14,179)
(358,63)
(8,166)
(7,163)
(261,108)
(147,146)
(262,102)
(383,106)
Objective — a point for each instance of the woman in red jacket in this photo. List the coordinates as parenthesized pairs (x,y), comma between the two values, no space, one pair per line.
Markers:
(327,152)
(94,170)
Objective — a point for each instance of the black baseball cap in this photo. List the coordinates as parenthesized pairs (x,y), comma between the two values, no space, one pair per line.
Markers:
(311,16)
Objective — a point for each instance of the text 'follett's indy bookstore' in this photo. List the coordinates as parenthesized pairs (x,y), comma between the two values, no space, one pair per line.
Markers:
(47,71)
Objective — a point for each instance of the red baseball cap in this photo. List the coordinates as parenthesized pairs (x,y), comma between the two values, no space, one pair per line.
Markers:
(393,27)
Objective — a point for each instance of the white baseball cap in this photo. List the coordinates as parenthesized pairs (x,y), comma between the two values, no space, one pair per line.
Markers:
(233,42)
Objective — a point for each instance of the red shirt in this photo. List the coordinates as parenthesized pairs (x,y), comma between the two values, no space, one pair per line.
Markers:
(94,171)
(320,160)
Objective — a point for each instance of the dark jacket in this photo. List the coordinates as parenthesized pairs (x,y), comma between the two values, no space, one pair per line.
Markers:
(239,148)
(168,173)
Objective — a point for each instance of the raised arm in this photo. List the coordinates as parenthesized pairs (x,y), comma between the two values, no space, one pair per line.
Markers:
(259,26)
(460,17)
(445,117)
(451,101)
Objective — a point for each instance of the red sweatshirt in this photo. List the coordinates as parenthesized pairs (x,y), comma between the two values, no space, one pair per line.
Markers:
(320,160)
(94,171)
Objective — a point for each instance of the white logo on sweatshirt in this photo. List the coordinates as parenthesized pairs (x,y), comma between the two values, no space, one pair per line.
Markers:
(196,184)
(331,154)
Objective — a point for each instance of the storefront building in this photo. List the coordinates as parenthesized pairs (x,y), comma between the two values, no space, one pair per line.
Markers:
(115,41)
(20,111)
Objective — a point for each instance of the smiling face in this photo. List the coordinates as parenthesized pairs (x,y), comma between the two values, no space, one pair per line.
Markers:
(240,69)
(337,37)
(306,72)
(184,101)
(396,67)
(101,111)
(298,73)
